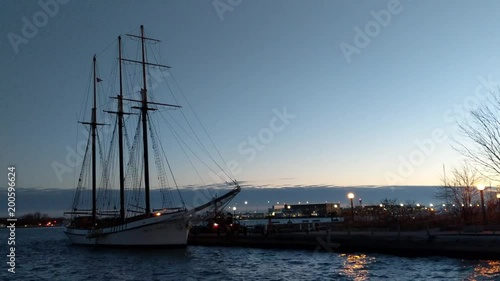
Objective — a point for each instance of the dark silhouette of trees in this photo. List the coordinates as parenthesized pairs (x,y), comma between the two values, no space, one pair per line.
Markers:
(460,190)
(37,219)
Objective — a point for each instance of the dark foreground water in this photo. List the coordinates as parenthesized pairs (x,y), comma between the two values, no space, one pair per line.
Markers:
(44,254)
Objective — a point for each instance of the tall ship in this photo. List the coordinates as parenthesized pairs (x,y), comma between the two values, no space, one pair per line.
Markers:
(122,197)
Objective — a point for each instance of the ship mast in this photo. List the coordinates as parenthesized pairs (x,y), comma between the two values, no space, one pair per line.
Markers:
(144,115)
(120,135)
(144,110)
(94,127)
(120,114)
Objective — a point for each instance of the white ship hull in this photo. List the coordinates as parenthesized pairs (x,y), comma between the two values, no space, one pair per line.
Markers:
(165,230)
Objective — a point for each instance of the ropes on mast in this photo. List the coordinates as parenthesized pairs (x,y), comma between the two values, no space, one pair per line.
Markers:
(167,200)
(133,180)
(80,186)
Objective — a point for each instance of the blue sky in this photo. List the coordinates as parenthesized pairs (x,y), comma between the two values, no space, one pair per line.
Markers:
(356,123)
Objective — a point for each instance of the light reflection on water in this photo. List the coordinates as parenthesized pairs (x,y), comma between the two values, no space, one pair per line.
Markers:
(355,266)
(44,254)
(486,270)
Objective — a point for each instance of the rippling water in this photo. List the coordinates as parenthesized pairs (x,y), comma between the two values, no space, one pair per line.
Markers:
(44,254)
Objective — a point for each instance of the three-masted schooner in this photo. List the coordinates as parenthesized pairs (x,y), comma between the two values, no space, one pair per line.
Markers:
(143,226)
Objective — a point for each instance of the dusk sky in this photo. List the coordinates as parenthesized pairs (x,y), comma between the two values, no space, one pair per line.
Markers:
(371,88)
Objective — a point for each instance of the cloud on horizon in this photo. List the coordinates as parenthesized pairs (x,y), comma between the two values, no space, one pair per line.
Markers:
(55,201)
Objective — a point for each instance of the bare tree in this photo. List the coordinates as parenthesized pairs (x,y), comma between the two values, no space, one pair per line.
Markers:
(392,210)
(482,133)
(460,190)
(390,202)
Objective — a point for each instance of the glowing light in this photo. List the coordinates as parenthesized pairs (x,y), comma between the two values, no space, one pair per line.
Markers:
(158,214)
(498,195)
(480,187)
(418,205)
(350,195)
(335,206)
(381,206)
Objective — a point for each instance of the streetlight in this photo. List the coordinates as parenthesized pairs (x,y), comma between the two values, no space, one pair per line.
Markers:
(480,187)
(246,207)
(234,211)
(498,200)
(350,195)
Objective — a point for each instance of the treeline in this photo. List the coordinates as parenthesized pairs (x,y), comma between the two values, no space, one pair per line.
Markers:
(35,219)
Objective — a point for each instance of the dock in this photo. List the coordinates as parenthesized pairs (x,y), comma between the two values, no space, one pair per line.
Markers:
(415,243)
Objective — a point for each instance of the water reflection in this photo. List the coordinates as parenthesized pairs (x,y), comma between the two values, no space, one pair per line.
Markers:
(486,270)
(51,258)
(355,266)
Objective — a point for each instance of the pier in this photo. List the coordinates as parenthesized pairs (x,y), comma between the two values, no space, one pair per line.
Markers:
(483,245)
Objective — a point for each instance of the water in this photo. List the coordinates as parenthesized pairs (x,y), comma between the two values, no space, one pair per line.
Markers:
(44,254)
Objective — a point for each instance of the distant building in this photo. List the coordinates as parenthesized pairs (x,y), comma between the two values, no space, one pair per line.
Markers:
(305,210)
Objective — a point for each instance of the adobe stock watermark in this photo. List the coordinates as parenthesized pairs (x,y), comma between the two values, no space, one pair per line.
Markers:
(250,149)
(223,6)
(31,26)
(325,246)
(254,144)
(424,148)
(74,156)
(363,37)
